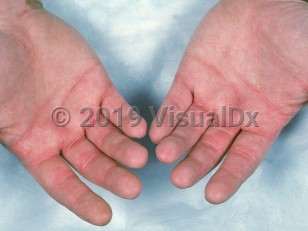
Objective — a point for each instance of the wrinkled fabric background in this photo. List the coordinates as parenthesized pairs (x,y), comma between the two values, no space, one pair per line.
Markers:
(141,43)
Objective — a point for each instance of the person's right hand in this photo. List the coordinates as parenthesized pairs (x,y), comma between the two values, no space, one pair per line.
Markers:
(45,64)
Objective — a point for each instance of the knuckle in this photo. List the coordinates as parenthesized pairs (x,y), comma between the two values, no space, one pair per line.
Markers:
(61,179)
(85,166)
(246,155)
(216,145)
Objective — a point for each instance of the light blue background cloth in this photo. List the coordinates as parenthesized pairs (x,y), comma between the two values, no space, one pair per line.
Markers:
(141,44)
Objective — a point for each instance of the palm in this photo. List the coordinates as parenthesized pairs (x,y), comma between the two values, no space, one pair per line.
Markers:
(49,65)
(244,55)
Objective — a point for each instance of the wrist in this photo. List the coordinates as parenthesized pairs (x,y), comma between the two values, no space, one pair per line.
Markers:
(14,4)
(12,12)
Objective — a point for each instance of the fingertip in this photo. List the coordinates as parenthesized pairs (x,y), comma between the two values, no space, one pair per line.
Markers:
(182,177)
(154,136)
(92,208)
(215,196)
(143,158)
(157,133)
(138,131)
(220,188)
(133,189)
(139,159)
(102,215)
(164,152)
(128,185)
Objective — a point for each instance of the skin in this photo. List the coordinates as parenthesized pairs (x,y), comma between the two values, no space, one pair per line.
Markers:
(45,64)
(251,54)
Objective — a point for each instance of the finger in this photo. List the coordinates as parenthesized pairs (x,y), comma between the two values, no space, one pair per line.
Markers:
(64,186)
(101,170)
(122,115)
(179,99)
(242,160)
(204,156)
(185,135)
(111,141)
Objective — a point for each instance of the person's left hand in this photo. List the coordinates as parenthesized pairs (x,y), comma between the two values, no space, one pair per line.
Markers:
(247,54)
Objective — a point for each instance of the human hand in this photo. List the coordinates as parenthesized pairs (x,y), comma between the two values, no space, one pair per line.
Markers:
(246,54)
(46,64)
